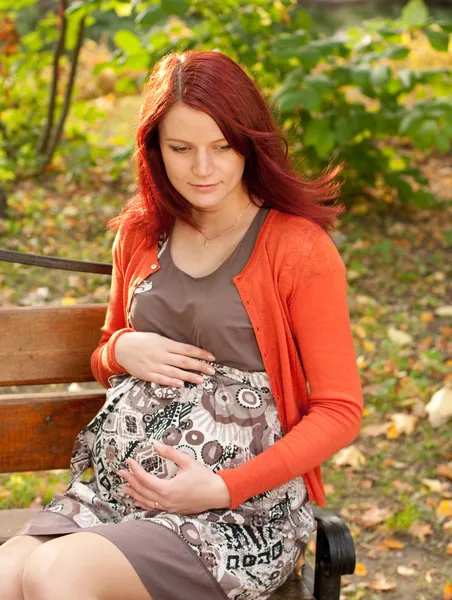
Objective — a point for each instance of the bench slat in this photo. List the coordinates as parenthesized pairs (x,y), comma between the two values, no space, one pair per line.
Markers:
(48,344)
(37,432)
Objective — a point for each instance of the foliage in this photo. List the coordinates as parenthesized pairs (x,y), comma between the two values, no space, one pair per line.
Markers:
(339,97)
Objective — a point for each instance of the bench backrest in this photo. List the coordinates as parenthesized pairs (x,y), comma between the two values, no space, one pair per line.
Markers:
(40,346)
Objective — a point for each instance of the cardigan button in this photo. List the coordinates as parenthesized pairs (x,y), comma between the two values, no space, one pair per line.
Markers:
(153,266)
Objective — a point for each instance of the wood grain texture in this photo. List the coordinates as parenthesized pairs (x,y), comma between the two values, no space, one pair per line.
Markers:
(48,344)
(37,432)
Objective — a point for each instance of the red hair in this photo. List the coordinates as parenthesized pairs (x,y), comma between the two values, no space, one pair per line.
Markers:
(213,83)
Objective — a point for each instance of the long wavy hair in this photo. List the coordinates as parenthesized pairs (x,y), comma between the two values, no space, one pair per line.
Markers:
(212,82)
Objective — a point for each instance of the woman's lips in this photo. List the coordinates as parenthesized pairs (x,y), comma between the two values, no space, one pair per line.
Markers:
(205,188)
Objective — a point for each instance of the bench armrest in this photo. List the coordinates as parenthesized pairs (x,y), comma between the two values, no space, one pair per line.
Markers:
(335,554)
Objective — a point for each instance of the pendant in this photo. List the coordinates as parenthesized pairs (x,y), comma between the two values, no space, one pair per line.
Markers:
(206,244)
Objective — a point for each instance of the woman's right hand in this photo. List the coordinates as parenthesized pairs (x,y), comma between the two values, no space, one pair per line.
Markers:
(156,358)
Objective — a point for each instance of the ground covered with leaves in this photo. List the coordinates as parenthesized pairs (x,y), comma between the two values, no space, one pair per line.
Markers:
(393,486)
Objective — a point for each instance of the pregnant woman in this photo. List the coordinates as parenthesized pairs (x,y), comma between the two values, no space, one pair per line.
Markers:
(228,358)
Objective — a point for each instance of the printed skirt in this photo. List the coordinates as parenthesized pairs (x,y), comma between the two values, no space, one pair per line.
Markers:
(240,554)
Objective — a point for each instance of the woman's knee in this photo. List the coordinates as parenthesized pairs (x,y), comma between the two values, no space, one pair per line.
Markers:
(13,556)
(40,577)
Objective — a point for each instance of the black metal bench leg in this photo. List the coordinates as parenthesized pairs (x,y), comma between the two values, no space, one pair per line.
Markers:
(335,555)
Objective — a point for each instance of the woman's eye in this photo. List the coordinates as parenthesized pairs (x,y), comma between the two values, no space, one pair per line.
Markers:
(179,148)
(224,148)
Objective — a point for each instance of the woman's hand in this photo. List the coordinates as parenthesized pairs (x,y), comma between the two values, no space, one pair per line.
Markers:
(194,489)
(156,358)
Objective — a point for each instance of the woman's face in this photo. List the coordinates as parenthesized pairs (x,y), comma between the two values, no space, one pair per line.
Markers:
(195,153)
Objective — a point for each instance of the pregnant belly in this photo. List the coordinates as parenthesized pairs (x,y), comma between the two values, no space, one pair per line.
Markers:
(222,422)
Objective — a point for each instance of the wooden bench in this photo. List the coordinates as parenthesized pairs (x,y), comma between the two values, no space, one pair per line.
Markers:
(46,345)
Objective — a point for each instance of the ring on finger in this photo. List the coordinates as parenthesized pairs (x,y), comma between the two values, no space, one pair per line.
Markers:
(156,505)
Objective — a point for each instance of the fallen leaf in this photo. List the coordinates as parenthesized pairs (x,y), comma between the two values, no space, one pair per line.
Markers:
(351,455)
(434,485)
(401,338)
(381,583)
(444,508)
(373,516)
(447,591)
(401,424)
(444,470)
(428,575)
(449,549)
(393,544)
(360,570)
(420,530)
(447,526)
(439,408)
(406,571)
(68,301)
(444,311)
(375,429)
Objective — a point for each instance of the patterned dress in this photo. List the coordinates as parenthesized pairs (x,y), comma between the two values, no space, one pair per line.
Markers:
(246,553)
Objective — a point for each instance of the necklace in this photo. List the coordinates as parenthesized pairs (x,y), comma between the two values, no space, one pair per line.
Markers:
(207,240)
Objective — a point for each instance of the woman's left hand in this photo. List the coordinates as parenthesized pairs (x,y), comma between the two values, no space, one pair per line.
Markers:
(194,489)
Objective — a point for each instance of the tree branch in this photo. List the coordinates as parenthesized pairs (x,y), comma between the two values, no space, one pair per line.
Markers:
(67,97)
(59,49)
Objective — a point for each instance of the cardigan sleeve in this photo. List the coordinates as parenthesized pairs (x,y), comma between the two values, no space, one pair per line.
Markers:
(321,325)
(103,362)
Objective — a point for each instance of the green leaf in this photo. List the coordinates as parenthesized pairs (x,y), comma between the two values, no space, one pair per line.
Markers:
(438,40)
(423,199)
(443,142)
(318,133)
(150,16)
(289,101)
(74,7)
(445,25)
(407,78)
(128,41)
(380,76)
(309,56)
(288,45)
(425,136)
(398,53)
(415,13)
(175,7)
(361,75)
(411,123)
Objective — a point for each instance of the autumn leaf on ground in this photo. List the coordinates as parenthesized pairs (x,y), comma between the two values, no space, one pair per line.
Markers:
(360,570)
(406,571)
(381,583)
(444,508)
(401,424)
(393,544)
(401,338)
(420,530)
(373,516)
(447,591)
(375,429)
(440,406)
(351,455)
(444,470)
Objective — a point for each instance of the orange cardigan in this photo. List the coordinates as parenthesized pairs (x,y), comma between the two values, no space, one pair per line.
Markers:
(294,291)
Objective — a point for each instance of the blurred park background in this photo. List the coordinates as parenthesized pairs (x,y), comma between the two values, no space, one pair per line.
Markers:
(365,82)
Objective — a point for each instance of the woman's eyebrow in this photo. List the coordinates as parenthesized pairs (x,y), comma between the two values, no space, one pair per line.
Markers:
(185,142)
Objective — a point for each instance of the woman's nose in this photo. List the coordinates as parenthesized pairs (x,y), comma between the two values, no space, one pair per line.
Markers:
(203,164)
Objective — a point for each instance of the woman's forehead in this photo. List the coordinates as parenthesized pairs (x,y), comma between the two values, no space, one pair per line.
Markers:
(186,124)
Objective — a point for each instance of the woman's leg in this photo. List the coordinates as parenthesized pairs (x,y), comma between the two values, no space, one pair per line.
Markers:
(78,566)
(13,556)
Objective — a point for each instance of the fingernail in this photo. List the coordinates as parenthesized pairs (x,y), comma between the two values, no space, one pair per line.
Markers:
(211,370)
(159,445)
(199,379)
(210,357)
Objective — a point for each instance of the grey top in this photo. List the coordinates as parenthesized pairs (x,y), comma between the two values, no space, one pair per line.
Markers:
(204,311)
